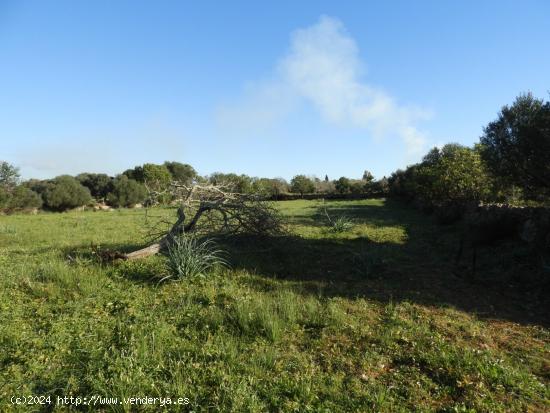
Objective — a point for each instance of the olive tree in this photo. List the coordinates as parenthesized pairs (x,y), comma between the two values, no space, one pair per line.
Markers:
(516,146)
(126,192)
(65,192)
(301,184)
(9,175)
(453,173)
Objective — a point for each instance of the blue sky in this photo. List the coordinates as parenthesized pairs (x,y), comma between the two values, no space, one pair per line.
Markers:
(262,88)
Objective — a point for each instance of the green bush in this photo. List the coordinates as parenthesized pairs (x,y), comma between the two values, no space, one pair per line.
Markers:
(271,188)
(65,192)
(301,184)
(19,199)
(98,184)
(126,192)
(343,185)
(454,173)
(181,172)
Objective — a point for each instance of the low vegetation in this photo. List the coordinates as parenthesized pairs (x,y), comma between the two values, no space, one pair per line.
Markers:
(190,257)
(370,319)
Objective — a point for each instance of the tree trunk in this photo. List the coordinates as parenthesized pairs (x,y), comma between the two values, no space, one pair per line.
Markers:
(177,229)
(145,252)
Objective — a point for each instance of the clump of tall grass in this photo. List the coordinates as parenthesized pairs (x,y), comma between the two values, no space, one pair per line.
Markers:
(341,224)
(190,257)
(338,224)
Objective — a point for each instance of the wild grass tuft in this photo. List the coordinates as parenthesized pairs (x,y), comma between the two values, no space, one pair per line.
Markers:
(189,257)
(341,224)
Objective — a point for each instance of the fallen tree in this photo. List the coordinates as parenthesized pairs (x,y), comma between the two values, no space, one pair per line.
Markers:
(213,209)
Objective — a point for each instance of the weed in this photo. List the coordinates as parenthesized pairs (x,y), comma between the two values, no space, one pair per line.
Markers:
(190,257)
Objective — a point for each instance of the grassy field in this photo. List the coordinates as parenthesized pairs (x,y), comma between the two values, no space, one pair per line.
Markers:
(371,319)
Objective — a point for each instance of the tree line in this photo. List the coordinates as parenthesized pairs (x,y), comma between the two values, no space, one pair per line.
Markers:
(510,163)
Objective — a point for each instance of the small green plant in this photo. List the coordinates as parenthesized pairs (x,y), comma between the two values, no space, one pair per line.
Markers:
(339,224)
(189,256)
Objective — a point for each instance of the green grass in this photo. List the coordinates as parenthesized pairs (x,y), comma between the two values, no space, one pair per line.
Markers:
(370,319)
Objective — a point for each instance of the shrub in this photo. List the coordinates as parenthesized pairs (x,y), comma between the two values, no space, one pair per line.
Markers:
(191,257)
(341,224)
(156,177)
(343,185)
(269,188)
(98,184)
(454,173)
(181,172)
(126,192)
(20,198)
(65,192)
(301,184)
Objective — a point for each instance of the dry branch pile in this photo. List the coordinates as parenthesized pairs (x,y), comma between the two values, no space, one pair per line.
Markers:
(214,209)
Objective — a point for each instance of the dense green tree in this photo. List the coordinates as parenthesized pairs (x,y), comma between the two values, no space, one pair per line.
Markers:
(9,175)
(453,173)
(98,184)
(65,192)
(301,184)
(135,173)
(269,187)
(343,185)
(380,187)
(516,146)
(19,198)
(367,176)
(126,192)
(156,177)
(181,172)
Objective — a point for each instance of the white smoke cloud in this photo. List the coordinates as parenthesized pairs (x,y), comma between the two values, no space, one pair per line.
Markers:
(323,68)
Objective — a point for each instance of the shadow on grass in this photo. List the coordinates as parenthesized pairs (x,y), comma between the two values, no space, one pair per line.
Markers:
(355,268)
(419,269)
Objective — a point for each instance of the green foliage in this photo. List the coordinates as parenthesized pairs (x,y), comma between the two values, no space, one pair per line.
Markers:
(180,172)
(126,192)
(64,192)
(9,175)
(241,184)
(136,174)
(341,224)
(380,187)
(367,177)
(156,177)
(19,198)
(301,184)
(454,173)
(343,185)
(269,188)
(190,257)
(516,146)
(295,326)
(98,184)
